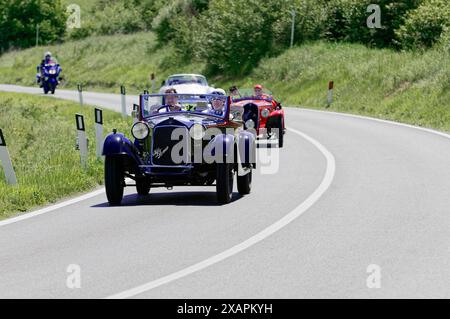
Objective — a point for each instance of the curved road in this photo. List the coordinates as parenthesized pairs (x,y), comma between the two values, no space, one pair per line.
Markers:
(349,193)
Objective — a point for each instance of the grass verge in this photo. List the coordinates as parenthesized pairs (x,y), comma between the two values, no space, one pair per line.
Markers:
(40,132)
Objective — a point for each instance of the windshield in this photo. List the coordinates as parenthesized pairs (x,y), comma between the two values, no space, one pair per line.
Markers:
(154,105)
(187,79)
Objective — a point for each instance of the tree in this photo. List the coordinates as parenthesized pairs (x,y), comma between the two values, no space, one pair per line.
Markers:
(19,18)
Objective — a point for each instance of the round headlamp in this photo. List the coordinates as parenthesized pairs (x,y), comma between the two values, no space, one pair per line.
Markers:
(140,131)
(265,113)
(250,124)
(197,132)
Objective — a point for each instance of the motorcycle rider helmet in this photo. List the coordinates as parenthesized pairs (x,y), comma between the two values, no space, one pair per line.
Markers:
(48,55)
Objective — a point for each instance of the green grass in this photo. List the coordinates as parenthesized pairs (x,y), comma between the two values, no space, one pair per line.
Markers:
(41,134)
(407,87)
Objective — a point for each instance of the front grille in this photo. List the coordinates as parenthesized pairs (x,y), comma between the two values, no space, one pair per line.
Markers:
(163,146)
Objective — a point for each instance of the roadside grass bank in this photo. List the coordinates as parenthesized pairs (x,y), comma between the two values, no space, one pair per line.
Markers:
(41,134)
(409,87)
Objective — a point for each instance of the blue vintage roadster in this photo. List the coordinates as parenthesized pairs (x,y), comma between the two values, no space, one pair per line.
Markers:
(181,140)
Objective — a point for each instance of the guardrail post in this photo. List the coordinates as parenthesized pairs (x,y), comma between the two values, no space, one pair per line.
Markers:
(123,93)
(82,142)
(80,93)
(330,93)
(99,132)
(5,160)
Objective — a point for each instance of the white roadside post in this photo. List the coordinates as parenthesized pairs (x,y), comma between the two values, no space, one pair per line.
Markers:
(330,93)
(82,140)
(99,132)
(123,93)
(80,93)
(5,160)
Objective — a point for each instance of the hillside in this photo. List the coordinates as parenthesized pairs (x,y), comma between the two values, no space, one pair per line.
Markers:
(409,87)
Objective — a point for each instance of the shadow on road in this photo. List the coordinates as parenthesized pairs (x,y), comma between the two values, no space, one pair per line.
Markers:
(171,199)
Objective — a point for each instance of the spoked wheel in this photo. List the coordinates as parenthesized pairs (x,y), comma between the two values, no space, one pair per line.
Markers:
(224,182)
(142,187)
(244,183)
(114,180)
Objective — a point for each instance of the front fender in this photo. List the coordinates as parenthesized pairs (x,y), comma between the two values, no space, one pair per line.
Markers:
(117,144)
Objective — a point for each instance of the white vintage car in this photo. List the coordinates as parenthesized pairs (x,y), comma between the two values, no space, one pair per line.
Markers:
(189,84)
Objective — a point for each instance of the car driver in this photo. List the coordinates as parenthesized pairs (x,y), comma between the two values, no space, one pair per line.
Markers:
(172,101)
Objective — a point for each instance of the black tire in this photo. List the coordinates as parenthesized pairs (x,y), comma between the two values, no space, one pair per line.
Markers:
(45,87)
(53,88)
(224,183)
(114,180)
(142,187)
(244,184)
(280,133)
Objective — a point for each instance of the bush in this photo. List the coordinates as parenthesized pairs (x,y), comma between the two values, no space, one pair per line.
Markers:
(18,20)
(232,36)
(347,20)
(424,26)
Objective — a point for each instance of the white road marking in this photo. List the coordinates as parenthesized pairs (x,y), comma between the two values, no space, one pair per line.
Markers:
(51,208)
(362,117)
(283,222)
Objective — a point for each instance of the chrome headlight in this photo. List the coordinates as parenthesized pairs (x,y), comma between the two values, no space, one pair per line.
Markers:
(265,113)
(140,131)
(250,124)
(197,132)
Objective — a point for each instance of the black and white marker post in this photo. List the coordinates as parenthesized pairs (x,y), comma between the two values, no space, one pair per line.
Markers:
(82,140)
(5,160)
(135,112)
(80,93)
(123,93)
(99,132)
(330,93)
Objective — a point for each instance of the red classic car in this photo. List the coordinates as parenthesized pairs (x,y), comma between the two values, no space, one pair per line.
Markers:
(261,114)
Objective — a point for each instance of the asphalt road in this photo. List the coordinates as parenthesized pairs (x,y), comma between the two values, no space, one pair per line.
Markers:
(349,193)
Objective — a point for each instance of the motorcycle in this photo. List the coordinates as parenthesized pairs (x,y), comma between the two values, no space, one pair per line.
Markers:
(49,77)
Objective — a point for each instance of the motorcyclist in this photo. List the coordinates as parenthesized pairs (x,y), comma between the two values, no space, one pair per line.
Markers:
(48,59)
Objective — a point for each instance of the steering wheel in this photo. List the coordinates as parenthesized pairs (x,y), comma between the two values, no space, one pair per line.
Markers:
(165,106)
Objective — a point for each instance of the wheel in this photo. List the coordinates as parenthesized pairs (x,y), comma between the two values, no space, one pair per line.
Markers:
(142,187)
(244,184)
(53,88)
(280,133)
(224,183)
(114,180)
(45,87)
